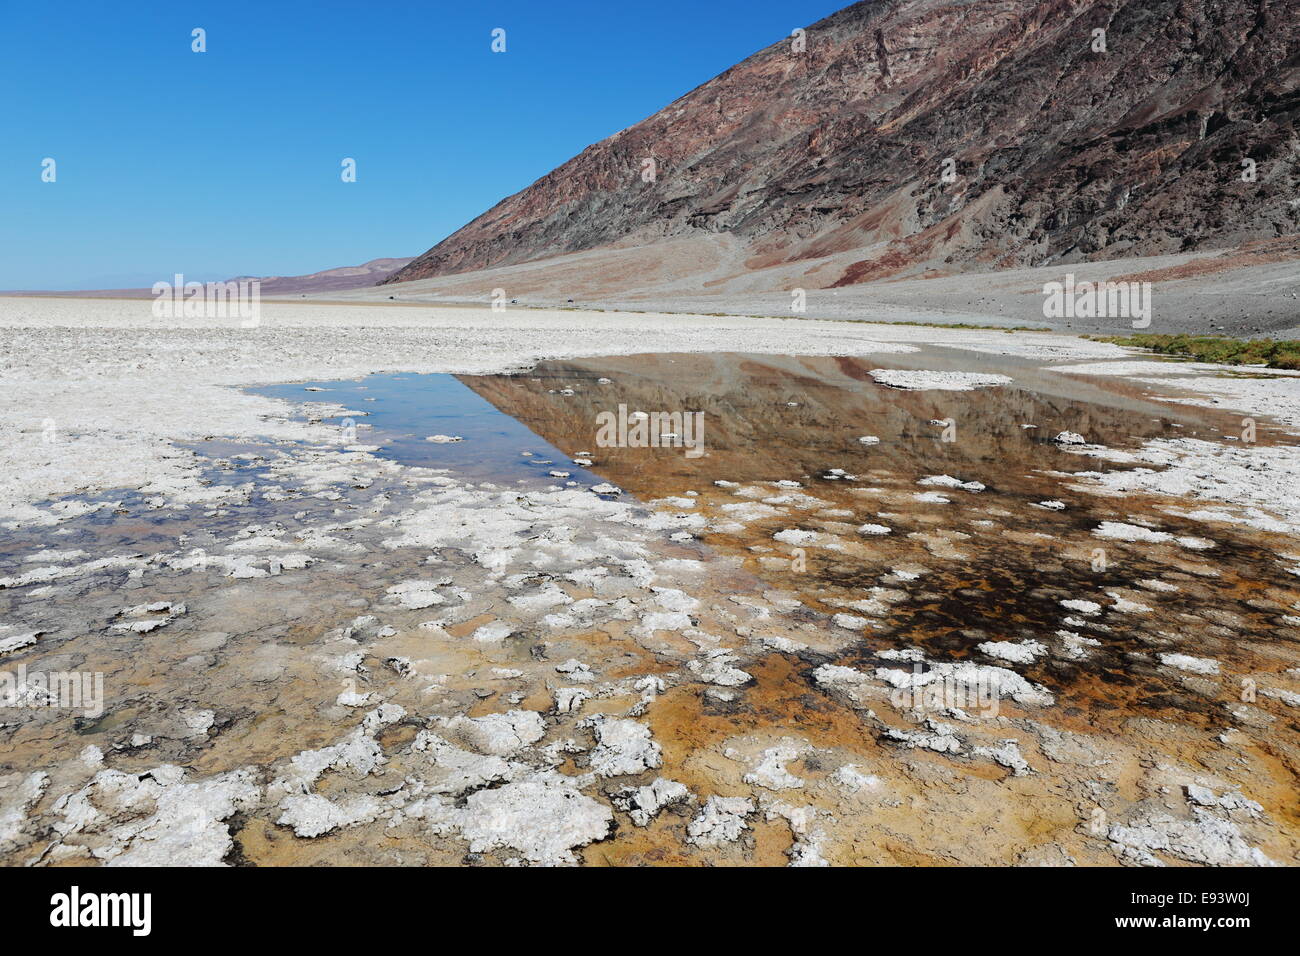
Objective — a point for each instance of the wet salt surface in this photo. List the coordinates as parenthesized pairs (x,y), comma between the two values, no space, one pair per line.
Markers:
(456,655)
(401,413)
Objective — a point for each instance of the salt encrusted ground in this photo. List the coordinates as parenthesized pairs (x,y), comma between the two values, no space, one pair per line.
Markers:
(314,654)
(119,387)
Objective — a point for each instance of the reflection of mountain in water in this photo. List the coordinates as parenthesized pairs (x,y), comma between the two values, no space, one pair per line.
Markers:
(986,565)
(772,417)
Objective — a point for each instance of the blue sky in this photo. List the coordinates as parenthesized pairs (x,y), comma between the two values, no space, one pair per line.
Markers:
(227,162)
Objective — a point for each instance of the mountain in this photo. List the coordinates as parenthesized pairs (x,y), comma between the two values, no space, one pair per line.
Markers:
(315,284)
(334,280)
(1061,144)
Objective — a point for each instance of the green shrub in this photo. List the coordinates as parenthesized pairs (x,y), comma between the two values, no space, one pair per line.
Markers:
(1217,349)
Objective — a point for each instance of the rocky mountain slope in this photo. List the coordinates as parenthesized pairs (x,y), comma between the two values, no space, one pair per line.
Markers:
(927,137)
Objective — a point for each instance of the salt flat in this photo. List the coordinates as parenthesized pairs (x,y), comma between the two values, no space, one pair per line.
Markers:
(314,654)
(118,384)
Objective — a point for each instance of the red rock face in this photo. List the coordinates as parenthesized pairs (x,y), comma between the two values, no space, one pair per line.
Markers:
(1056,149)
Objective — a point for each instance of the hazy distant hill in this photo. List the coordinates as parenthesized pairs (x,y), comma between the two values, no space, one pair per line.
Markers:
(317,283)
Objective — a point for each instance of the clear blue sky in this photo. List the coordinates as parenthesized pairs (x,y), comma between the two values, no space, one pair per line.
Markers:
(227,162)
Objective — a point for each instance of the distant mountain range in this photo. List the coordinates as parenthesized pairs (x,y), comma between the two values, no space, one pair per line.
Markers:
(931,137)
(315,284)
(334,280)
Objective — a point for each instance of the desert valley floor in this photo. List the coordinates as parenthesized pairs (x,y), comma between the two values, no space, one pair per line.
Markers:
(363,588)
